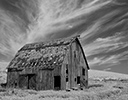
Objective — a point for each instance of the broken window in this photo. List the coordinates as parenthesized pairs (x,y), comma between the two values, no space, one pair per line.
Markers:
(83,71)
(66,68)
(78,79)
(74,54)
(66,79)
(75,79)
(66,72)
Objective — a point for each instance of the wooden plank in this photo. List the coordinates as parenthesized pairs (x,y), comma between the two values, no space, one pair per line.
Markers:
(63,77)
(57,70)
(70,68)
(38,81)
(81,77)
(51,79)
(73,74)
(86,77)
(45,80)
(8,79)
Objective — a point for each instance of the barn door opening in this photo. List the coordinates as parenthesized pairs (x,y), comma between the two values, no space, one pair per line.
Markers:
(27,81)
(57,82)
(31,81)
(23,81)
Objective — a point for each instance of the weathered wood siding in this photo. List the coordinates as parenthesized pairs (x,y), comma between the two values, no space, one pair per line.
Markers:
(12,79)
(77,63)
(57,71)
(29,71)
(73,68)
(82,63)
(45,80)
(63,71)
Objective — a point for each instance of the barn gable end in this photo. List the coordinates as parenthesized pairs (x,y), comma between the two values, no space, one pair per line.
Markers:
(78,66)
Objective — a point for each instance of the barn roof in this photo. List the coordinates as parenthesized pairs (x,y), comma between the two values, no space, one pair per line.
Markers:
(43,55)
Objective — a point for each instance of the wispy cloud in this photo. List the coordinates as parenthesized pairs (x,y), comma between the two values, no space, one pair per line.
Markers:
(25,21)
(54,17)
(109,60)
(95,61)
(109,48)
(105,45)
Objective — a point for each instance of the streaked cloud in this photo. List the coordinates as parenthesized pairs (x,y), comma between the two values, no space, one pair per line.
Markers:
(105,45)
(25,21)
(109,60)
(102,25)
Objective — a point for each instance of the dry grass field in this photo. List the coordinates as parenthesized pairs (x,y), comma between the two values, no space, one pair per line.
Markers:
(102,86)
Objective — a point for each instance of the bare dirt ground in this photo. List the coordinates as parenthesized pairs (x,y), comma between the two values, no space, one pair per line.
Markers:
(103,86)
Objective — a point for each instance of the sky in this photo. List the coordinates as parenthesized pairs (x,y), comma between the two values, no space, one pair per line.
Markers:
(101,24)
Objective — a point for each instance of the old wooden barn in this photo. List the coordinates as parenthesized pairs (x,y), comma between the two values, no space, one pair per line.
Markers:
(57,64)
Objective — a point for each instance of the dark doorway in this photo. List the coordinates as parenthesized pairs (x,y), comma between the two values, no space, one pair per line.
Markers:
(23,81)
(27,81)
(57,82)
(78,79)
(31,81)
(83,71)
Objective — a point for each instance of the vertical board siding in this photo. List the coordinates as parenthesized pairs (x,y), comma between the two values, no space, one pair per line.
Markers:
(57,71)
(70,67)
(12,79)
(78,62)
(45,80)
(74,66)
(23,81)
(63,77)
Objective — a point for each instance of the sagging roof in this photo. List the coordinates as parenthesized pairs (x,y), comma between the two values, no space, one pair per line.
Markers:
(53,43)
(44,55)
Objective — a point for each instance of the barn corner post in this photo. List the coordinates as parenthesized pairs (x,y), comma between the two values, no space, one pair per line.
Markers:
(63,77)
(70,67)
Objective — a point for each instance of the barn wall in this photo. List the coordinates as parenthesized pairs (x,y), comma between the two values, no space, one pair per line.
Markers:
(12,79)
(63,77)
(78,63)
(57,71)
(65,65)
(84,78)
(45,80)
(82,63)
(71,72)
(75,63)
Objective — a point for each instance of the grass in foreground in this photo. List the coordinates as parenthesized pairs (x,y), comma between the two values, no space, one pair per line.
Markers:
(105,89)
